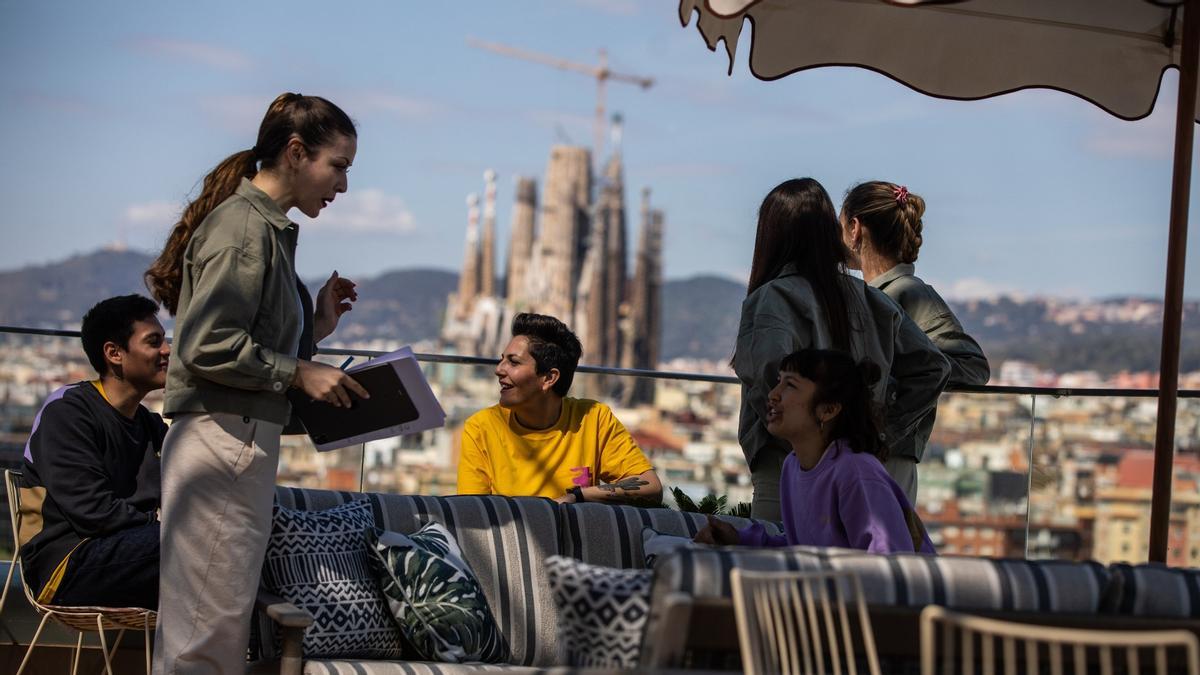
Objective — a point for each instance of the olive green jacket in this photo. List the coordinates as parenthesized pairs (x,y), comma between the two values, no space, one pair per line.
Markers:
(784,315)
(239,318)
(932,315)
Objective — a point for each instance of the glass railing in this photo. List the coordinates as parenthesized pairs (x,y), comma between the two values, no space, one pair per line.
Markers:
(1010,471)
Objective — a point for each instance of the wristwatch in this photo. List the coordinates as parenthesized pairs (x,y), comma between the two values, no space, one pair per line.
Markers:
(578,492)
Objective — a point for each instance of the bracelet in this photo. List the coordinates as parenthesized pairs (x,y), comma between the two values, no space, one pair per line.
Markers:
(578,492)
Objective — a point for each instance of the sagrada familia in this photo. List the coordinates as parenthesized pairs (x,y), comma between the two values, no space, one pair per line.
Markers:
(567,259)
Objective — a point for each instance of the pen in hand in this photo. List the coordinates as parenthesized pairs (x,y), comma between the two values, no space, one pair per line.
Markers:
(347,362)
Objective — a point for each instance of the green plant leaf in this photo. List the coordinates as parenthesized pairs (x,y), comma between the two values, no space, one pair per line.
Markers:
(683,501)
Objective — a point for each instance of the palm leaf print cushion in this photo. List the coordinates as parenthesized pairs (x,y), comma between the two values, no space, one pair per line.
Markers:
(434,596)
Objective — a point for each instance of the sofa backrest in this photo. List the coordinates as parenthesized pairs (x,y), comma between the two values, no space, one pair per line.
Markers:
(901,579)
(503,539)
(602,534)
(1154,590)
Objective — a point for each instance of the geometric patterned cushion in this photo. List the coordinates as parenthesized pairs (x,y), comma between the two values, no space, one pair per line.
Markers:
(434,596)
(902,579)
(503,540)
(604,612)
(608,535)
(317,560)
(1154,590)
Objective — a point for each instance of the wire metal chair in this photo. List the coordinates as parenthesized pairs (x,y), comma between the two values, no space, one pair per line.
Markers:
(801,623)
(966,644)
(81,619)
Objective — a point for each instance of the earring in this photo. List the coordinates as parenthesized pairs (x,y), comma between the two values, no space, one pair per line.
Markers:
(820,425)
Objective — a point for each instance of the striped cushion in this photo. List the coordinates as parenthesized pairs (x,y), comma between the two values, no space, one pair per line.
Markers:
(1154,590)
(901,579)
(611,536)
(504,540)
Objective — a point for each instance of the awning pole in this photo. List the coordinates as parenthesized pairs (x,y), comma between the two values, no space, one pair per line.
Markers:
(1168,383)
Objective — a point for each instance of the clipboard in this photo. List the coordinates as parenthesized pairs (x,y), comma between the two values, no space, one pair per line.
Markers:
(401,402)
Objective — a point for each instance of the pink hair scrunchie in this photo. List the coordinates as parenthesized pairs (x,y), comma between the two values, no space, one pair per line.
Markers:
(901,194)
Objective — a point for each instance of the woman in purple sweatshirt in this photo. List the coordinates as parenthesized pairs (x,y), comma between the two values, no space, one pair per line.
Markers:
(834,489)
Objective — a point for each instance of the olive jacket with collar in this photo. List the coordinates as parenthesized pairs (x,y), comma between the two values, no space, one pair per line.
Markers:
(239,318)
(929,311)
(784,315)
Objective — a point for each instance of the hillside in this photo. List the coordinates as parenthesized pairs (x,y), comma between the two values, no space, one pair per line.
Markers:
(700,314)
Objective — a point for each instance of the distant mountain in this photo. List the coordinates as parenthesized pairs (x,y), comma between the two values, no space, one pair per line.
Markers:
(1107,335)
(57,294)
(700,314)
(700,317)
(700,320)
(404,305)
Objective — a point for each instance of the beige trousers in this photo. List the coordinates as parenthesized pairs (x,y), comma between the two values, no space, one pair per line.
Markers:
(218,477)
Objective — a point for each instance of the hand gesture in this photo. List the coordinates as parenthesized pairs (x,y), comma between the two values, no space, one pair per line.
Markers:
(333,300)
(717,532)
(326,383)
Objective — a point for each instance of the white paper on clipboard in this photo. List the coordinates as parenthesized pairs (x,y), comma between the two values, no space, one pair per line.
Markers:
(326,424)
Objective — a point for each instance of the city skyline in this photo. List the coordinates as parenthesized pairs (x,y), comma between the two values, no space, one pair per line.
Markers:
(116,116)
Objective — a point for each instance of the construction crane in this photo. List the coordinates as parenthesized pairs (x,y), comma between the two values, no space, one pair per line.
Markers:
(600,72)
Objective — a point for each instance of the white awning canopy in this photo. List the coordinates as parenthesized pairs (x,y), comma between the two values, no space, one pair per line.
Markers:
(1109,52)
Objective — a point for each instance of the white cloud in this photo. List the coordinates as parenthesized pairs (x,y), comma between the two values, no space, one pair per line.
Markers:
(386,102)
(151,214)
(202,53)
(367,211)
(974,288)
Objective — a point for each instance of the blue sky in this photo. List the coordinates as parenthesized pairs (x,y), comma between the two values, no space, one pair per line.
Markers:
(113,112)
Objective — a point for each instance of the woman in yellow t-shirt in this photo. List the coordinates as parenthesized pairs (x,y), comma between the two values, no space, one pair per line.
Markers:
(538,442)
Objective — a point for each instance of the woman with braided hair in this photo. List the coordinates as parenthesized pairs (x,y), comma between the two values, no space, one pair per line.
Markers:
(244,327)
(881,225)
(799,296)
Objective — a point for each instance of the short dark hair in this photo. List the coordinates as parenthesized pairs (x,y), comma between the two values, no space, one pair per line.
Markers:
(552,345)
(841,380)
(112,320)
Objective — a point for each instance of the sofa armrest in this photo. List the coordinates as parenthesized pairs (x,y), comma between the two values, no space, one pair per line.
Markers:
(292,621)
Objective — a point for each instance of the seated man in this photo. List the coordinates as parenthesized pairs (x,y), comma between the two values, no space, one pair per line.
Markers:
(539,442)
(90,490)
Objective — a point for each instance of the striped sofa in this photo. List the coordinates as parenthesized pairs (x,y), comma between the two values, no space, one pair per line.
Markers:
(505,541)
(694,581)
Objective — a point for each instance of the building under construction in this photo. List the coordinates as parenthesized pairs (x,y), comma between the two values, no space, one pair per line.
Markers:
(567,259)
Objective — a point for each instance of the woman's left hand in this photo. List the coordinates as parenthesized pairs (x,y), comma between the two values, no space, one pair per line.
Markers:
(333,300)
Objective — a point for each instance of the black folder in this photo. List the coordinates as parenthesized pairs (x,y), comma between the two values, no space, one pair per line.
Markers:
(389,405)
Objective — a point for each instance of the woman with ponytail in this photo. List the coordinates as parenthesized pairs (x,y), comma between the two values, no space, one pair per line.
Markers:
(799,296)
(244,329)
(881,226)
(834,488)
